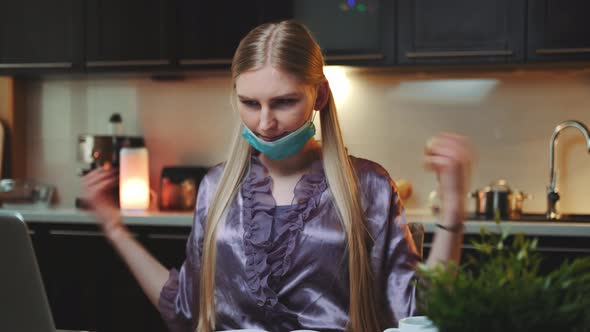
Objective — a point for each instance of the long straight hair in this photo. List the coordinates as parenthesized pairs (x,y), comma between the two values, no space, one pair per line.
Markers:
(289,46)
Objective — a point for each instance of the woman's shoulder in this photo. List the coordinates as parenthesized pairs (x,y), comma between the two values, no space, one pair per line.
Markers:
(212,177)
(378,192)
(370,173)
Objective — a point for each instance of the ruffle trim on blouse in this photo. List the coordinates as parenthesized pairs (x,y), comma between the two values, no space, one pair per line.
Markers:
(268,259)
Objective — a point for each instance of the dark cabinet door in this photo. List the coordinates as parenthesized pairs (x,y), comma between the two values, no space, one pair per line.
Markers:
(88,285)
(37,34)
(351,32)
(128,33)
(76,272)
(210,31)
(460,31)
(558,30)
(168,246)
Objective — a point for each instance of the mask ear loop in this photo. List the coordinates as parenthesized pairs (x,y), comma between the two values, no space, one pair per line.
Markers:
(313,115)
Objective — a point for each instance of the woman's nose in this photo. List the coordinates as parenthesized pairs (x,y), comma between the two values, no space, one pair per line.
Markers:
(267,120)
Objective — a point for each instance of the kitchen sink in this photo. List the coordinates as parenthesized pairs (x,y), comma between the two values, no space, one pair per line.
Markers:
(563,218)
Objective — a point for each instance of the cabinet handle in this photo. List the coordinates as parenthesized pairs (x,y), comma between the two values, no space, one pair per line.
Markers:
(540,249)
(457,54)
(549,51)
(560,249)
(167,237)
(76,233)
(81,233)
(220,61)
(35,65)
(343,57)
(31,231)
(351,57)
(129,63)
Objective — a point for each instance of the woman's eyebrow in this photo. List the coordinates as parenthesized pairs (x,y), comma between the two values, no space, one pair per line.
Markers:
(287,95)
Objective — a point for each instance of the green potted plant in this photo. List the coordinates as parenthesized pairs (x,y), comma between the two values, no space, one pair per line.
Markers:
(505,291)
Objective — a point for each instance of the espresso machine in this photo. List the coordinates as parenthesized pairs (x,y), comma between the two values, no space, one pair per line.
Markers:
(97,150)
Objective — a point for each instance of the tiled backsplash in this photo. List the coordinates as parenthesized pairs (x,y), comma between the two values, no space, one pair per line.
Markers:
(386,116)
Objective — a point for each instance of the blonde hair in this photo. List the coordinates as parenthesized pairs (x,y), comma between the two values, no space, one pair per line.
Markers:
(290,47)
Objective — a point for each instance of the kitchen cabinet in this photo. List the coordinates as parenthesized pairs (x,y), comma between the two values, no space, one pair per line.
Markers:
(128,34)
(351,32)
(209,31)
(88,285)
(158,35)
(168,246)
(558,30)
(362,34)
(40,35)
(460,31)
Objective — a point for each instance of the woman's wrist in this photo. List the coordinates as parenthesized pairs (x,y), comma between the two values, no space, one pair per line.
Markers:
(452,217)
(115,230)
(453,228)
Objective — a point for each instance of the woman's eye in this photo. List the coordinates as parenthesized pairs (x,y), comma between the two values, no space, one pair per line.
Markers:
(249,103)
(287,101)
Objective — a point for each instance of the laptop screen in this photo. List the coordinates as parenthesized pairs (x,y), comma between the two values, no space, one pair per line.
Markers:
(23,302)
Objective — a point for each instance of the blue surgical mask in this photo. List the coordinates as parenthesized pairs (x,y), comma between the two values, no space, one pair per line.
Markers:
(285,146)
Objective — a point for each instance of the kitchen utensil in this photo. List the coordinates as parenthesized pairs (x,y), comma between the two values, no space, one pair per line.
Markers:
(16,193)
(498,196)
(178,187)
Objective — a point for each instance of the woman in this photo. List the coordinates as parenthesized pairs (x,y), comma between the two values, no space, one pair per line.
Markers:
(289,233)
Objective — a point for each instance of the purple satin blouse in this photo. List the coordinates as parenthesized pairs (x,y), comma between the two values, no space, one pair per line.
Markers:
(283,268)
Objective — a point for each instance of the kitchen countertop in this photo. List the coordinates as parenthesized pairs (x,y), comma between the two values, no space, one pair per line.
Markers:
(77,216)
(177,219)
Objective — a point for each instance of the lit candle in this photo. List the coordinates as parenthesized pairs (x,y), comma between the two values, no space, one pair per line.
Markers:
(134,183)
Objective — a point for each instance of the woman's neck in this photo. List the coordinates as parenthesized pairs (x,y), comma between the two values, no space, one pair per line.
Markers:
(299,163)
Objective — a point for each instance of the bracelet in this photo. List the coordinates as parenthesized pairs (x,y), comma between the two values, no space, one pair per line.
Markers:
(453,229)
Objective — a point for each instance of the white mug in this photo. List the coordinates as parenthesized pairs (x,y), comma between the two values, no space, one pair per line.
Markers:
(414,324)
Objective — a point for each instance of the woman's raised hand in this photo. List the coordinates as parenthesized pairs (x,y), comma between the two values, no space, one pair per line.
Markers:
(97,192)
(450,156)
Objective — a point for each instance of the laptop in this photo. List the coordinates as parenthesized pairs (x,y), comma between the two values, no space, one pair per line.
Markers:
(23,302)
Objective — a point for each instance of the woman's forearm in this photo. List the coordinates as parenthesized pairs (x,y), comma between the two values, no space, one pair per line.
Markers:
(448,241)
(150,273)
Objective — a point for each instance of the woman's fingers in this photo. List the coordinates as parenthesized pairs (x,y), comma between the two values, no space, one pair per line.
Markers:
(440,162)
(97,187)
(98,175)
(449,156)
(450,145)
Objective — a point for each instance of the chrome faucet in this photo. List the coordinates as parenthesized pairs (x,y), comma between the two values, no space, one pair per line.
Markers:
(552,195)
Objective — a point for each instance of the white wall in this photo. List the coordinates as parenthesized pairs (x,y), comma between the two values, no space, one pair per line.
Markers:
(387,116)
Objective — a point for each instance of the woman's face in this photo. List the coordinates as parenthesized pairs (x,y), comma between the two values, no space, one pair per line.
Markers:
(273,103)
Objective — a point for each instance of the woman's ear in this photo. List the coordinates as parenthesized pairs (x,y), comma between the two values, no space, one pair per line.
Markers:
(323,92)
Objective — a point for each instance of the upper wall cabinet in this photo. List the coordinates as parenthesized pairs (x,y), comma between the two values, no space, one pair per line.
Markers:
(558,30)
(209,31)
(460,31)
(129,33)
(37,34)
(351,31)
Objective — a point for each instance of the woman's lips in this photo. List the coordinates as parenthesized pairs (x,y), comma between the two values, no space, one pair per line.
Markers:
(271,138)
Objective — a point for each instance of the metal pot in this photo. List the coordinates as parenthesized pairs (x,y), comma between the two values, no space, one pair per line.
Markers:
(499,197)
